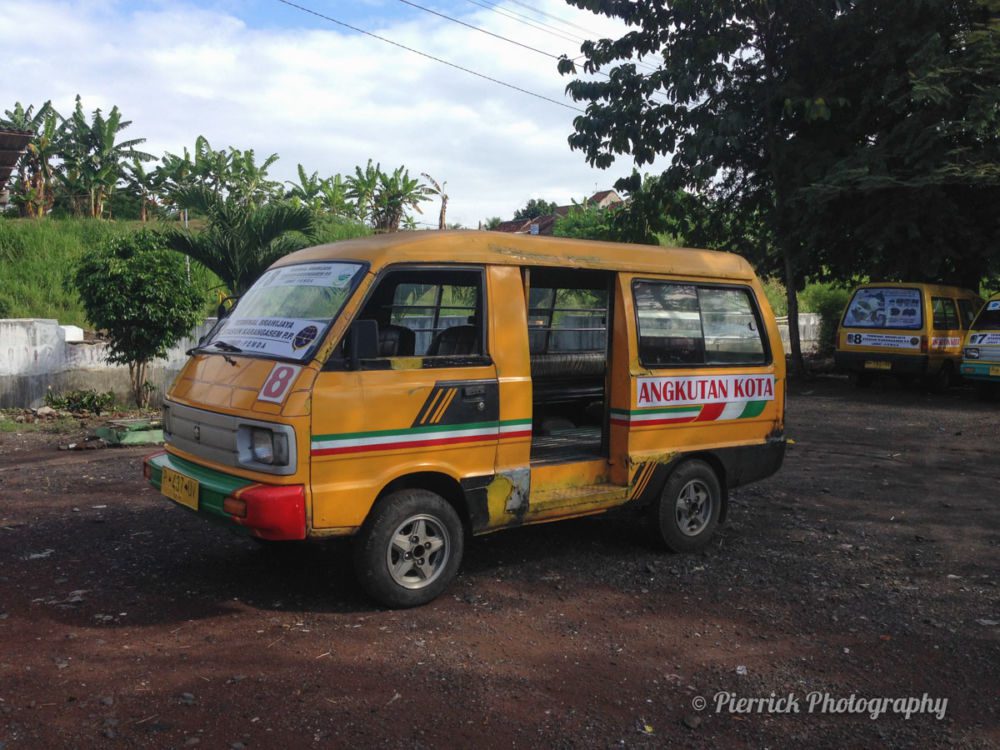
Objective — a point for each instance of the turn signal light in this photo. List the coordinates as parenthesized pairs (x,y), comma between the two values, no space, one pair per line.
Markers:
(235,507)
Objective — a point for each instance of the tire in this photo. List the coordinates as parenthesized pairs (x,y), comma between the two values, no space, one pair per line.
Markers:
(940,381)
(687,513)
(409,549)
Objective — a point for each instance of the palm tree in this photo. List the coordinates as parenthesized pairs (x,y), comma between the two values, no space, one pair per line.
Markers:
(396,193)
(362,188)
(436,189)
(94,156)
(306,190)
(33,191)
(241,239)
(143,185)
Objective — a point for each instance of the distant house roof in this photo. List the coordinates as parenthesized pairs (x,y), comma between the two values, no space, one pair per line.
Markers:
(602,199)
(12,145)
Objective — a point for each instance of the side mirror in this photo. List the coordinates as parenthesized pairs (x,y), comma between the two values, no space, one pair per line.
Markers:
(363,342)
(224,311)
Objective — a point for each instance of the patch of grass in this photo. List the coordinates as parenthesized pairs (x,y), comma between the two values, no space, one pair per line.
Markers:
(57,426)
(38,255)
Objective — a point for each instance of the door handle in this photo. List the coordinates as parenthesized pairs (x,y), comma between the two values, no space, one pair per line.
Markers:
(474,391)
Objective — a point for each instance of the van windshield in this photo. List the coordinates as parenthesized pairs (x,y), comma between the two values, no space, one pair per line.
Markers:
(885,307)
(989,317)
(287,311)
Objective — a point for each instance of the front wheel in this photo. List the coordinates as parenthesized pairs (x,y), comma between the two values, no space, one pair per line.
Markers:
(409,549)
(687,513)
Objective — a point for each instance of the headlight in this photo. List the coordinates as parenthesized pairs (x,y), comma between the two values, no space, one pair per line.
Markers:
(972,352)
(262,446)
(267,447)
(258,447)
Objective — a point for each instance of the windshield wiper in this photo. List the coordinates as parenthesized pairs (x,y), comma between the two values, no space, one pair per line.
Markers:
(226,347)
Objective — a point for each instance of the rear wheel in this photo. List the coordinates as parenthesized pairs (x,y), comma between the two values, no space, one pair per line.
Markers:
(409,549)
(687,512)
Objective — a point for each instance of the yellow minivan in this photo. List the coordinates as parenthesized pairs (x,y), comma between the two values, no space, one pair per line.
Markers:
(413,388)
(908,330)
(981,355)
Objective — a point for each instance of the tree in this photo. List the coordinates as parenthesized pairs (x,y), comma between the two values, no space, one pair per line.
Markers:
(492,223)
(767,109)
(587,222)
(133,287)
(33,190)
(382,199)
(534,208)
(143,185)
(438,190)
(242,239)
(94,158)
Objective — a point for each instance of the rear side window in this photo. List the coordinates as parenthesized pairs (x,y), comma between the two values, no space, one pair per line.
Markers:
(945,314)
(688,324)
(885,307)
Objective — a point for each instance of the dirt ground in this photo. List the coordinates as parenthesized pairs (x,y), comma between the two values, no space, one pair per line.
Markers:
(866,567)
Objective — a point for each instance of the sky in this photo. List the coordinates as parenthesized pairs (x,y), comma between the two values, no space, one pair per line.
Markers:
(263,75)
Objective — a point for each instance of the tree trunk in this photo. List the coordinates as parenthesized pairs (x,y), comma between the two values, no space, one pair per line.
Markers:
(791,290)
(142,209)
(444,209)
(137,379)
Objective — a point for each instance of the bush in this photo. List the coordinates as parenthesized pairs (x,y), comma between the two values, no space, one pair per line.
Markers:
(829,301)
(774,290)
(87,402)
(136,289)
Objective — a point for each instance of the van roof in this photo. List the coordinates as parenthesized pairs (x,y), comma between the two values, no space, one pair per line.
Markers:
(473,246)
(939,289)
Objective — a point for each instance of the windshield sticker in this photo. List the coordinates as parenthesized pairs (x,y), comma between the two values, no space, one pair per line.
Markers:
(885,308)
(720,389)
(887,340)
(984,339)
(337,275)
(278,382)
(993,304)
(280,337)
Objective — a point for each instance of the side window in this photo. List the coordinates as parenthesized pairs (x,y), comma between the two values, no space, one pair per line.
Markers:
(567,320)
(945,314)
(967,310)
(686,324)
(731,329)
(428,313)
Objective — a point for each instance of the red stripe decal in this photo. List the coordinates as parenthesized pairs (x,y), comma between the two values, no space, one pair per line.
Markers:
(671,420)
(710,412)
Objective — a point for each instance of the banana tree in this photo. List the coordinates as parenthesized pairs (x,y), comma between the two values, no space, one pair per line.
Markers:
(436,189)
(33,190)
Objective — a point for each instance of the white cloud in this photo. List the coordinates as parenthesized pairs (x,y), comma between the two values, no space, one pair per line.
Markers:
(318,95)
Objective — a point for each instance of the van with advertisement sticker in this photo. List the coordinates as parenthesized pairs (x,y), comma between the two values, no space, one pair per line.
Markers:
(981,354)
(414,389)
(912,331)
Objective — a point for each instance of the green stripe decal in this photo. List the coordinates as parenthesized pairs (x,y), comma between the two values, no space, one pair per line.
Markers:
(752,409)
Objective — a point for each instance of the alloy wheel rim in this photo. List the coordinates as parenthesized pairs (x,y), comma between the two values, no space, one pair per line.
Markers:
(693,508)
(418,551)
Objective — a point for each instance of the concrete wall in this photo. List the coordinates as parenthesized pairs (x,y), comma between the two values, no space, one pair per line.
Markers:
(36,355)
(808,332)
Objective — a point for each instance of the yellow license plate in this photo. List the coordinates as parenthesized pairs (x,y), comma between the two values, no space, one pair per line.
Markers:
(877,364)
(995,371)
(180,488)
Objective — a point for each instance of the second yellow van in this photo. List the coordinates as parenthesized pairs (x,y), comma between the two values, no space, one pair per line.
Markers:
(981,355)
(908,330)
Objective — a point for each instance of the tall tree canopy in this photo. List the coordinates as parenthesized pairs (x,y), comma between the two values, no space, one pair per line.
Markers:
(804,129)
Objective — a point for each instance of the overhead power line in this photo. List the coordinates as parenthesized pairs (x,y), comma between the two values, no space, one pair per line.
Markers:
(485,77)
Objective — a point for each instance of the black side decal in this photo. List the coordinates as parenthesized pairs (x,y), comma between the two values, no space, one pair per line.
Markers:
(460,402)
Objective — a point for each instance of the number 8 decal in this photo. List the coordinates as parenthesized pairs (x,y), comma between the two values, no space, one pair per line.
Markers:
(278,382)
